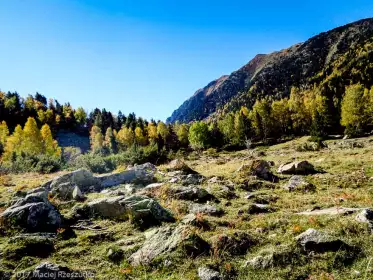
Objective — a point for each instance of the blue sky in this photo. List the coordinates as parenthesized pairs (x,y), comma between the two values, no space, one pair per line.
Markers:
(148,56)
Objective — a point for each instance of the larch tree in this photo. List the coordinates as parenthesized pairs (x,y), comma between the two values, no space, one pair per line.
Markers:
(182,132)
(140,137)
(110,143)
(163,131)
(14,144)
(125,138)
(32,141)
(4,133)
(199,135)
(96,139)
(51,147)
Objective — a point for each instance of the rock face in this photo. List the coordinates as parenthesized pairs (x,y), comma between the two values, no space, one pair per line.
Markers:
(297,167)
(298,183)
(259,168)
(138,208)
(192,193)
(34,213)
(278,72)
(317,241)
(165,240)
(205,273)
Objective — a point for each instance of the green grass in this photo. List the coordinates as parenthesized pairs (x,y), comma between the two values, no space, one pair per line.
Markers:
(345,182)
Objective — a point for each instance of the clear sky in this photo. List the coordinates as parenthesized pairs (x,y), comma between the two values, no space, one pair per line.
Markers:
(148,56)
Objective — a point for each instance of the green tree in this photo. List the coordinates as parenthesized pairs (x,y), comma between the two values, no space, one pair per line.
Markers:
(163,131)
(353,110)
(182,132)
(261,118)
(80,116)
(199,135)
(110,143)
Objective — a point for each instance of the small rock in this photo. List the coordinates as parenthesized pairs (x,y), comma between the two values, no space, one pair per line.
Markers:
(259,209)
(205,273)
(207,209)
(179,165)
(191,192)
(330,211)
(299,183)
(259,168)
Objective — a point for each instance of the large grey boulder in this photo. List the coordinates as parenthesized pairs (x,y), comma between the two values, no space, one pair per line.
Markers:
(317,241)
(191,192)
(297,167)
(139,208)
(299,183)
(139,174)
(205,273)
(165,240)
(82,178)
(67,191)
(34,213)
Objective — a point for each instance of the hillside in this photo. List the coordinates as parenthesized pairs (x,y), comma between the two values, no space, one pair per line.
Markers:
(246,216)
(331,60)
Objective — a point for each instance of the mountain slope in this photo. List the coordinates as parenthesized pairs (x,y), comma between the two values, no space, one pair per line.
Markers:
(336,52)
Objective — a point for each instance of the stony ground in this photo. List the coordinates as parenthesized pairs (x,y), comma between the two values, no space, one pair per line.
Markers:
(221,223)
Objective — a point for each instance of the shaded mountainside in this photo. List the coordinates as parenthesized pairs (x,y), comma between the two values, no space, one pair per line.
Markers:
(332,59)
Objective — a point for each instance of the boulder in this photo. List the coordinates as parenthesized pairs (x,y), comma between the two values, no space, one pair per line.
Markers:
(257,208)
(272,257)
(297,167)
(77,194)
(179,165)
(139,208)
(165,240)
(67,191)
(82,178)
(237,243)
(365,216)
(191,192)
(259,168)
(317,241)
(298,183)
(34,213)
(207,209)
(139,174)
(34,245)
(205,273)
(257,185)
(191,179)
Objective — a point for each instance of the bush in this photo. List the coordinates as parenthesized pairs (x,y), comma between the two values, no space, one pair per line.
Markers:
(25,163)
(94,162)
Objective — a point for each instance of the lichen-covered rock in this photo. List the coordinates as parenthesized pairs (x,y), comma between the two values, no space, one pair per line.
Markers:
(139,208)
(205,273)
(34,213)
(317,241)
(165,240)
(259,168)
(257,208)
(191,179)
(207,209)
(191,192)
(336,210)
(297,167)
(139,174)
(272,257)
(299,183)
(82,178)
